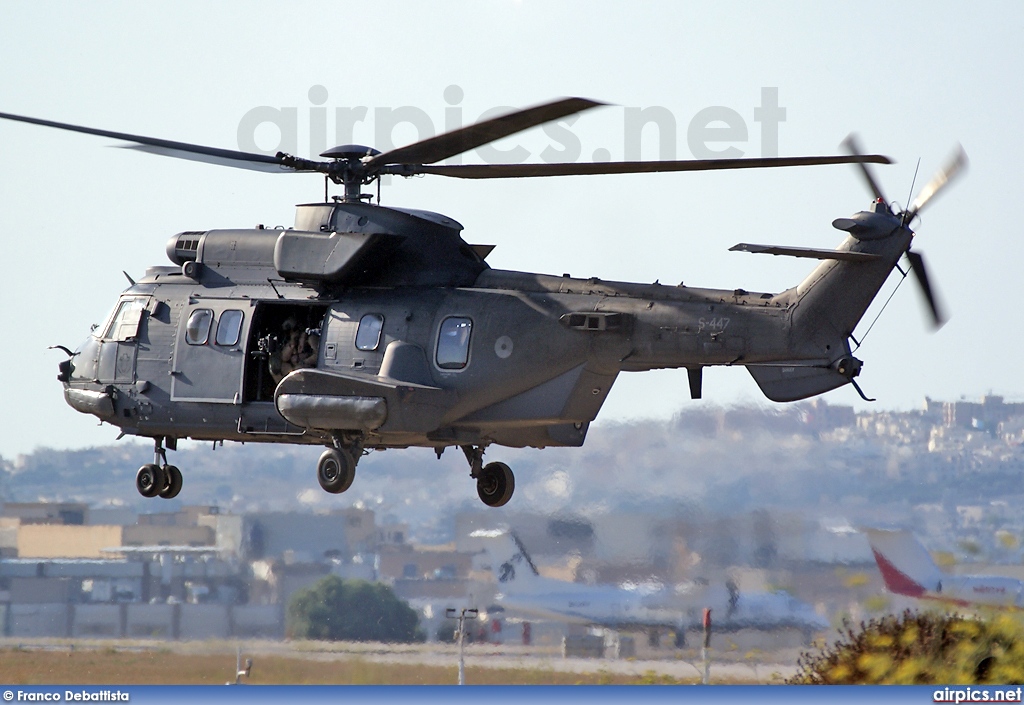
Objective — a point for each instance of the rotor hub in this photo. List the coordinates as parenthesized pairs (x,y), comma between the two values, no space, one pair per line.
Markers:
(350,152)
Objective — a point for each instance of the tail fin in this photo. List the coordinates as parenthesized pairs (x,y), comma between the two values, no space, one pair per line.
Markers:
(513,568)
(905,565)
(828,304)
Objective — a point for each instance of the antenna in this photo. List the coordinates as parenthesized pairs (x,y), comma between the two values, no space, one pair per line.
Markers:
(910,196)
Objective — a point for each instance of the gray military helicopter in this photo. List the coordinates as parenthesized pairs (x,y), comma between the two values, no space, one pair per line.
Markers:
(367,327)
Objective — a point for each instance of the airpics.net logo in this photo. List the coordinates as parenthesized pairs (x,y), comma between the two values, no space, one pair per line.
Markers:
(714,132)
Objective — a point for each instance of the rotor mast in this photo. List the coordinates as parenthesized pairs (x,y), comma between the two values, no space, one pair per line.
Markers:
(348,166)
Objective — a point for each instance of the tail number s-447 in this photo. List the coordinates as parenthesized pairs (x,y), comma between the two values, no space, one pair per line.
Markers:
(713,325)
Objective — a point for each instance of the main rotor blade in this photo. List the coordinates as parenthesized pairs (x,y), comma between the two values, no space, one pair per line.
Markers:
(470,137)
(513,171)
(956,163)
(852,145)
(921,273)
(169,148)
(207,158)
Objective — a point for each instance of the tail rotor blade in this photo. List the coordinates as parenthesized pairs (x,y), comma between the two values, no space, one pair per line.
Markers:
(921,273)
(852,145)
(957,162)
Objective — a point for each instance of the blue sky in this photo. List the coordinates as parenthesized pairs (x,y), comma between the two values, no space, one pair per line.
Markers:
(912,80)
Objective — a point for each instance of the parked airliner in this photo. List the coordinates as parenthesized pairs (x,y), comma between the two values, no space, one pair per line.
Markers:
(522,589)
(907,569)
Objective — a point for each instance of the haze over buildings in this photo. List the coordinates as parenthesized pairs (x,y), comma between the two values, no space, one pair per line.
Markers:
(763,498)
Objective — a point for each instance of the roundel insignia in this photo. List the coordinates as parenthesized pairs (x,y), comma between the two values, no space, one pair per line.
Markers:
(503,347)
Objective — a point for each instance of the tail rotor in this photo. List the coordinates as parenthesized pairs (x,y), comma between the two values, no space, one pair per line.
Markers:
(852,146)
(921,274)
(956,163)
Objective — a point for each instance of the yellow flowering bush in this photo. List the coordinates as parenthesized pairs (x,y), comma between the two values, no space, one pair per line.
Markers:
(920,648)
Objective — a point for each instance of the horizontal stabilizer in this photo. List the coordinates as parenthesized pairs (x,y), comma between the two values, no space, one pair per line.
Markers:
(808,252)
(794,382)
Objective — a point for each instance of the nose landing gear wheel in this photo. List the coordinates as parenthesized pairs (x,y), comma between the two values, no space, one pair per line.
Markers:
(495,484)
(174,481)
(150,480)
(336,470)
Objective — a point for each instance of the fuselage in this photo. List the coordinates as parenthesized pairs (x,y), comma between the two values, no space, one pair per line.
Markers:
(985,590)
(522,589)
(622,608)
(908,569)
(184,360)
(397,330)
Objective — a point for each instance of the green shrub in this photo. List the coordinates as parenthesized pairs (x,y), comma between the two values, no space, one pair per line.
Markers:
(351,610)
(920,648)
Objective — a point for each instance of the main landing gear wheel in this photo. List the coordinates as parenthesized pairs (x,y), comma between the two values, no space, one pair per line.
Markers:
(174,482)
(495,484)
(336,470)
(150,480)
(158,478)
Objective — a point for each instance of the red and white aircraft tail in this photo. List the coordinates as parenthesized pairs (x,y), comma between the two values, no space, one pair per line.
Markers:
(907,569)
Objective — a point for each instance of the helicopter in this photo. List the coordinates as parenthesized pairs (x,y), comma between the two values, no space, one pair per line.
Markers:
(366,327)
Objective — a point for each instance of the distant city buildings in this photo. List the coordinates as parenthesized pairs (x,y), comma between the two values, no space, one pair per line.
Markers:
(951,471)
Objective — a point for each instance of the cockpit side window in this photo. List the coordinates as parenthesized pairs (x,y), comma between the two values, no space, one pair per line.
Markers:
(453,343)
(124,325)
(229,327)
(197,331)
(368,333)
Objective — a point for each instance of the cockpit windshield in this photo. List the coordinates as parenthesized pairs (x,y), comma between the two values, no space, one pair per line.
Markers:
(124,324)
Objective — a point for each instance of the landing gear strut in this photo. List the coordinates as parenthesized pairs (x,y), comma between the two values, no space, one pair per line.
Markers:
(336,468)
(158,478)
(495,482)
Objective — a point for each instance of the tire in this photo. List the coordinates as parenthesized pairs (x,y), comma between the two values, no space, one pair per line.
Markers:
(150,480)
(174,482)
(495,484)
(336,470)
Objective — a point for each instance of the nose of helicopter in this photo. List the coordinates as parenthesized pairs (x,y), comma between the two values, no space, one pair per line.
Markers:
(77,374)
(64,368)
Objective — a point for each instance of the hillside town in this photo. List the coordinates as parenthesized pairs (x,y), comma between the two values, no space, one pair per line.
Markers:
(766,499)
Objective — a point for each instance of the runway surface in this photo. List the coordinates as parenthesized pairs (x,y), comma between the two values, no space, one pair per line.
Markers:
(731,666)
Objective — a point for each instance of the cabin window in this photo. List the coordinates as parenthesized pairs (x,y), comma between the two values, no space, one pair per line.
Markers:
(197,331)
(368,333)
(229,327)
(125,323)
(453,343)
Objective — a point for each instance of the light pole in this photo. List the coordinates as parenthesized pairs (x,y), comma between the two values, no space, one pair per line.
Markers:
(239,671)
(452,613)
(705,651)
